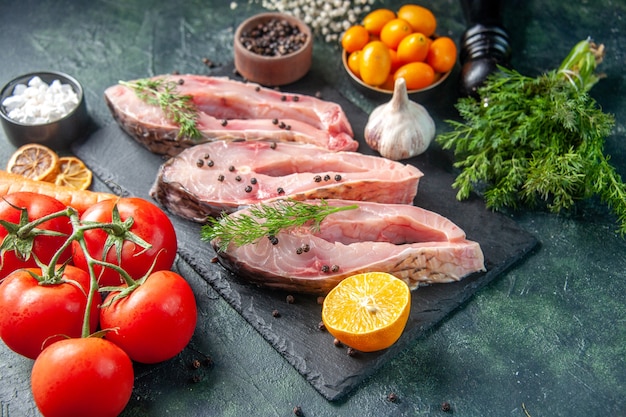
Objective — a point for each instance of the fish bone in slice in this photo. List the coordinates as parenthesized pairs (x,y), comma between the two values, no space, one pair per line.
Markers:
(216,177)
(416,245)
(230,109)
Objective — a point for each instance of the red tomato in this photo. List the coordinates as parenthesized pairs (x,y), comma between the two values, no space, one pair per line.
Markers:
(82,377)
(44,247)
(156,321)
(33,316)
(150,223)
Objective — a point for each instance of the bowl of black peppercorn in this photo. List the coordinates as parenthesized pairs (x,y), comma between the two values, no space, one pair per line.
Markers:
(273,49)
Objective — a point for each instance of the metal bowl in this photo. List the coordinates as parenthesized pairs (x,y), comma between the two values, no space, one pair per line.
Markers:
(57,134)
(273,71)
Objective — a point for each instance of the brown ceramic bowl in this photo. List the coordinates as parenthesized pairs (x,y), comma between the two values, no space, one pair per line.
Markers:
(272,70)
(58,134)
(381,94)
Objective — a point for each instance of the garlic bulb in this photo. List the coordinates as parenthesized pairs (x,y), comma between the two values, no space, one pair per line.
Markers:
(401,128)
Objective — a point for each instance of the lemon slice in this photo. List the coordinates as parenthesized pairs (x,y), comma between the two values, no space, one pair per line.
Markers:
(73,173)
(367,312)
(34,161)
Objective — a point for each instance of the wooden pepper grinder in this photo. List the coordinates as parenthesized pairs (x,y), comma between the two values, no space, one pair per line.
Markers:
(484,44)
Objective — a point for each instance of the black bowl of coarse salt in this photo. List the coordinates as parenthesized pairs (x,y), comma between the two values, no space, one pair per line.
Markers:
(273,49)
(45,107)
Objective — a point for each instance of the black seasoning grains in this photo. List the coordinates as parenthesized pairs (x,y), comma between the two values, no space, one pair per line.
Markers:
(276,37)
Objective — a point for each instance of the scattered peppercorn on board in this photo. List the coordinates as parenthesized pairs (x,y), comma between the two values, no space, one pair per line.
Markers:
(291,322)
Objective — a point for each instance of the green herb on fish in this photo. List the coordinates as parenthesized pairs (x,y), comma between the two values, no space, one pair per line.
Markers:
(266,221)
(177,108)
(531,140)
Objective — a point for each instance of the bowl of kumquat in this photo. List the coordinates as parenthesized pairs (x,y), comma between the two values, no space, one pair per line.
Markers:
(389,44)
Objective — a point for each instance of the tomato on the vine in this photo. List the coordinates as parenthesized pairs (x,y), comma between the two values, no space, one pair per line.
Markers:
(155,321)
(34,315)
(150,224)
(43,246)
(82,377)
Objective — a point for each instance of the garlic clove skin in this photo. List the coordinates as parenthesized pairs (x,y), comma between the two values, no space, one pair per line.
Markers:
(401,128)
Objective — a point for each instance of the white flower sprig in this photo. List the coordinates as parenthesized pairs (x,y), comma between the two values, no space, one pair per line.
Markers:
(327,19)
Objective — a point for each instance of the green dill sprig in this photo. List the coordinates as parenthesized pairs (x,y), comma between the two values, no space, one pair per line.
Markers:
(177,108)
(530,140)
(266,220)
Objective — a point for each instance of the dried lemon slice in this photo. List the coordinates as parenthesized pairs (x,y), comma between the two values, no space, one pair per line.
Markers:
(34,161)
(73,173)
(367,312)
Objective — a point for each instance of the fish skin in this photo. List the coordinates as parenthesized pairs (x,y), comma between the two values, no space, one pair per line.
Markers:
(249,109)
(194,192)
(416,245)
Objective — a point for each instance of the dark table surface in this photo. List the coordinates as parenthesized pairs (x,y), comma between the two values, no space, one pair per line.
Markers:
(546,338)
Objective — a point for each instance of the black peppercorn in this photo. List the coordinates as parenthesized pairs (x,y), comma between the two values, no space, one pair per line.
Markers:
(253,180)
(199,163)
(275,37)
(337,177)
(220,178)
(317,178)
(290,299)
(248,189)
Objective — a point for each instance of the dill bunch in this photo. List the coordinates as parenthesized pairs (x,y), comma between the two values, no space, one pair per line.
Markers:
(266,220)
(177,108)
(537,140)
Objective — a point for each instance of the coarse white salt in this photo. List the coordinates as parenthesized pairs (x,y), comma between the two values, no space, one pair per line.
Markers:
(37,102)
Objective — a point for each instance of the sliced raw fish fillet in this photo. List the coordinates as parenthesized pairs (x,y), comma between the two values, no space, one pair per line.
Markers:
(414,244)
(229,109)
(215,177)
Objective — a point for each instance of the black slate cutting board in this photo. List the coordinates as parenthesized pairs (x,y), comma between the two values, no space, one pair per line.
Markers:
(129,169)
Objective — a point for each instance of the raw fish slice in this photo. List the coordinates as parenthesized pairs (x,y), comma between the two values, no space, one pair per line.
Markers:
(211,178)
(224,98)
(229,110)
(416,245)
